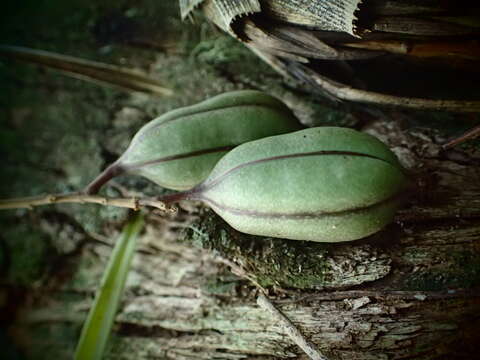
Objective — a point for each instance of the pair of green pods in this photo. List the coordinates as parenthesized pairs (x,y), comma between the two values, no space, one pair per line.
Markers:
(243,154)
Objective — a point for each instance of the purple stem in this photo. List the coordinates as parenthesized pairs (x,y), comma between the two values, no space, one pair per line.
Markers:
(107,174)
(183,195)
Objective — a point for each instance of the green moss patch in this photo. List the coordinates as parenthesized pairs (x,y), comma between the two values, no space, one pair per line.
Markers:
(296,264)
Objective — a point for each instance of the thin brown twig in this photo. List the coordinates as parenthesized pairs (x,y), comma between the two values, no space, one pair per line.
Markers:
(262,300)
(291,330)
(346,92)
(338,91)
(92,71)
(239,271)
(130,203)
(469,135)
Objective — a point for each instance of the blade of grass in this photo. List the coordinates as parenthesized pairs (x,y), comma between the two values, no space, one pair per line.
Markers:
(87,70)
(100,318)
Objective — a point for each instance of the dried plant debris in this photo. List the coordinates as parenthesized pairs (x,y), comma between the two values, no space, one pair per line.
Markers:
(336,15)
(332,15)
(93,71)
(187,6)
(221,12)
(224,13)
(382,52)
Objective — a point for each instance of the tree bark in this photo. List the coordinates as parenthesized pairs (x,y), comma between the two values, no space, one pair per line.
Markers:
(410,291)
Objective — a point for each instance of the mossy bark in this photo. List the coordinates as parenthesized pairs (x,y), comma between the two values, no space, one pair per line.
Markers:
(410,291)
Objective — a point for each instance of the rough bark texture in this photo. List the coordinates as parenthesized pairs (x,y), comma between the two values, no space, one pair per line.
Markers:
(413,285)
(409,292)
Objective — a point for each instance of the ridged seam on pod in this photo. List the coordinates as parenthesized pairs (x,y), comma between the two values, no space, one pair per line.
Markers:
(179,149)
(322,184)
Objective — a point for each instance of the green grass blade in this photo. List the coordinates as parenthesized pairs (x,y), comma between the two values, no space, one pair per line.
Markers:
(100,319)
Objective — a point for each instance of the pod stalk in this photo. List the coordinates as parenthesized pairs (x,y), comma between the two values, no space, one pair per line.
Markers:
(176,197)
(107,174)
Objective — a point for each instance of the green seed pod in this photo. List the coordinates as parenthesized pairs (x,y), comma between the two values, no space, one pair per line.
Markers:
(325,184)
(179,149)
